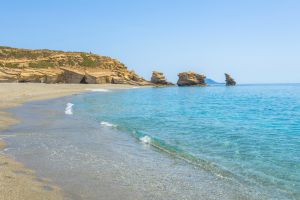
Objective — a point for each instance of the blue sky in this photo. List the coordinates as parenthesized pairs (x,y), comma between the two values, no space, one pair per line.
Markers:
(256,41)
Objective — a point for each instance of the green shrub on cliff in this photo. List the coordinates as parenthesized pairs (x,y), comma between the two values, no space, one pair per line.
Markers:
(11,65)
(88,62)
(8,52)
(41,64)
(5,47)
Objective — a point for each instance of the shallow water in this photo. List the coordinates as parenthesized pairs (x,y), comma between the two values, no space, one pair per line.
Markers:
(166,143)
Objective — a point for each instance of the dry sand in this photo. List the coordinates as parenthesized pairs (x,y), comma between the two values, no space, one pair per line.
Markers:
(16,181)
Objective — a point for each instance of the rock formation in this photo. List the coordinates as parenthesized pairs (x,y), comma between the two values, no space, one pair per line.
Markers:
(158,78)
(47,66)
(190,79)
(229,80)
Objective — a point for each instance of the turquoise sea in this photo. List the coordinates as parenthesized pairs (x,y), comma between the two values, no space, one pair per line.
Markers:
(212,142)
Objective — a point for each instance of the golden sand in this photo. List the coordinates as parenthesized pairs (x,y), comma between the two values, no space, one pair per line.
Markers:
(16,181)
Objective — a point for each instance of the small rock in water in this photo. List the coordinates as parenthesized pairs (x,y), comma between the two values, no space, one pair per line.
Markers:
(190,79)
(229,80)
(159,78)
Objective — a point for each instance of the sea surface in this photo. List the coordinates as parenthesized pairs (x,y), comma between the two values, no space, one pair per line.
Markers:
(212,142)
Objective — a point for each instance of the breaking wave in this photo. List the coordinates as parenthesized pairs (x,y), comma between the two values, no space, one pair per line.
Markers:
(107,124)
(69,110)
(146,139)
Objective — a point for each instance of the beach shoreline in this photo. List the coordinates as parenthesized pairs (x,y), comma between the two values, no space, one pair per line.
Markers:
(16,181)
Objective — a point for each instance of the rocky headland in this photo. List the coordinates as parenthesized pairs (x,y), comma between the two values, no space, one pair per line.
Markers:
(191,79)
(158,78)
(229,80)
(48,66)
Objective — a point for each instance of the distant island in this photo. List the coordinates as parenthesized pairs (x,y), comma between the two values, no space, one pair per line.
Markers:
(211,81)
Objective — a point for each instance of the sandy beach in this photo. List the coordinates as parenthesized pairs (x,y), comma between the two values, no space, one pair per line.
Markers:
(16,181)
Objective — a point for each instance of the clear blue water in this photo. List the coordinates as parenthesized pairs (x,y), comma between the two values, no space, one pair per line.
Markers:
(251,132)
(248,137)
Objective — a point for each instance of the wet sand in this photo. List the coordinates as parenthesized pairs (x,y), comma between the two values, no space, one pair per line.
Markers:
(16,181)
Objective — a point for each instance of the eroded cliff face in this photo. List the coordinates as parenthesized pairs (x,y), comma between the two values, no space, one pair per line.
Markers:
(229,80)
(190,79)
(47,66)
(158,78)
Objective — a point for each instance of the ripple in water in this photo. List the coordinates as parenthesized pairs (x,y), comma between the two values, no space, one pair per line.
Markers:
(247,137)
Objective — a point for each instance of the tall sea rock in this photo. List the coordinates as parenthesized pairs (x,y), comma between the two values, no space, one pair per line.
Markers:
(229,80)
(158,78)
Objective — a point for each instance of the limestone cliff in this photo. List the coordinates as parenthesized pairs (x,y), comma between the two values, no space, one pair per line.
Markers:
(158,78)
(229,80)
(47,66)
(190,79)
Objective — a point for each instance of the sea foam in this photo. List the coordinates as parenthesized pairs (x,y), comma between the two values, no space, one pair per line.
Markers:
(98,90)
(107,124)
(69,110)
(145,139)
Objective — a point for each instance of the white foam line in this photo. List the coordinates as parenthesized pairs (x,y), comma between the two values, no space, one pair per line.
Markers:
(69,110)
(107,124)
(97,90)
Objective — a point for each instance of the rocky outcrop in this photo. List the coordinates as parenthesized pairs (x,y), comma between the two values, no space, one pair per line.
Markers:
(31,75)
(158,78)
(47,66)
(190,79)
(229,80)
